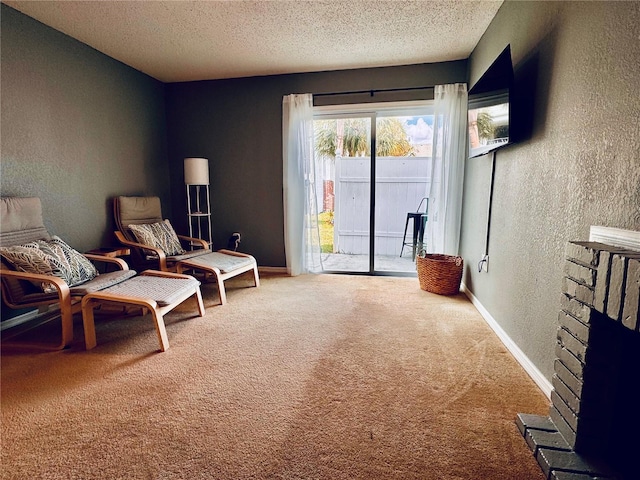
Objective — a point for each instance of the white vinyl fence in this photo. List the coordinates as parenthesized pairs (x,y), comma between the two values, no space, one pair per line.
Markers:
(401,183)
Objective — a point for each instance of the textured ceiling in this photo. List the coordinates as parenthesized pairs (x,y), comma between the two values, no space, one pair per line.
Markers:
(195,40)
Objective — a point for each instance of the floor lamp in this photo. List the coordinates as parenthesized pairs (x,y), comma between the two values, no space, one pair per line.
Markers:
(196,176)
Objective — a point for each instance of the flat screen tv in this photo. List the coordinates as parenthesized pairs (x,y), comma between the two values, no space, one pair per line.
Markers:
(489,110)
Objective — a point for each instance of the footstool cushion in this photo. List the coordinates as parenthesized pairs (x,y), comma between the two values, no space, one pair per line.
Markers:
(164,291)
(224,262)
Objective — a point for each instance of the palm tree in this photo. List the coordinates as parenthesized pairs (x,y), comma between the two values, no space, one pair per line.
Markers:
(353,138)
(485,125)
(326,137)
(391,139)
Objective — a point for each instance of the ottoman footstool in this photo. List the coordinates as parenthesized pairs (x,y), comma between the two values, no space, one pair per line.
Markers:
(222,265)
(159,292)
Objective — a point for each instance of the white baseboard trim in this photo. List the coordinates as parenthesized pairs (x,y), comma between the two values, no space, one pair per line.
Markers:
(521,358)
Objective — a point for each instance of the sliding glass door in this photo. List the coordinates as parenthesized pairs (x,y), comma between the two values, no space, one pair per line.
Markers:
(374,164)
(343,156)
(402,175)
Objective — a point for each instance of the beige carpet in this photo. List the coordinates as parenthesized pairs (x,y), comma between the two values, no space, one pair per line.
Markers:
(314,377)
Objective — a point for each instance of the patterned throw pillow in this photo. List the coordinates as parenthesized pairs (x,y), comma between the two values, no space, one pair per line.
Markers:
(52,257)
(29,258)
(158,235)
(76,267)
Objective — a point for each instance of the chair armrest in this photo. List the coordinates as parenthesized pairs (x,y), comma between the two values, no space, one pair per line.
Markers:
(198,241)
(121,264)
(60,285)
(162,257)
(65,302)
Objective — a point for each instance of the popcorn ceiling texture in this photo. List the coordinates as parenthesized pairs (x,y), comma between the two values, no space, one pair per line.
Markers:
(181,41)
(579,167)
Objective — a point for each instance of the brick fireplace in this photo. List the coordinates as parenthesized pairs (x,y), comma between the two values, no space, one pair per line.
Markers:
(593,427)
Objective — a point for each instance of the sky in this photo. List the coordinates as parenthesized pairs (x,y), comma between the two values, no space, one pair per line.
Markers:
(419,129)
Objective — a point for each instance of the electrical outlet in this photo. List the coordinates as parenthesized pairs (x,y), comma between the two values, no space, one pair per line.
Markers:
(483,265)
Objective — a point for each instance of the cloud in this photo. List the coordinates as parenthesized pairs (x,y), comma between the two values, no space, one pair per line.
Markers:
(420,132)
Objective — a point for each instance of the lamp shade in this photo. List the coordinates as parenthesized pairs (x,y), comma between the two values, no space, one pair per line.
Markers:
(196,171)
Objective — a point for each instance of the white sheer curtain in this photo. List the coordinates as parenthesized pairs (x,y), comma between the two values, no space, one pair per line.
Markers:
(447,169)
(301,233)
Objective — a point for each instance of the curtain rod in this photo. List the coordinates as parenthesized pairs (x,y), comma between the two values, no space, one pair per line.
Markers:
(372,92)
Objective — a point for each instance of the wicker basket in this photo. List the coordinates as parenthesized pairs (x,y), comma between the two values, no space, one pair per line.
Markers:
(439,274)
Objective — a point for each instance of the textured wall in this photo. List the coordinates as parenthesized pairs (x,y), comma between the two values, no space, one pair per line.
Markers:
(237,124)
(577,70)
(77,128)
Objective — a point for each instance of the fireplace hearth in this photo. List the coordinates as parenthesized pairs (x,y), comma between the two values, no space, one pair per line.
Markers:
(593,427)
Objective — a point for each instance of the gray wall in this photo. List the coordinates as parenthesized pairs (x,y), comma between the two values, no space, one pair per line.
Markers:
(77,128)
(577,66)
(237,125)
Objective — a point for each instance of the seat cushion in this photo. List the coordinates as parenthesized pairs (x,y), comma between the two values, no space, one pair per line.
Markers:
(137,210)
(224,262)
(21,221)
(158,235)
(102,281)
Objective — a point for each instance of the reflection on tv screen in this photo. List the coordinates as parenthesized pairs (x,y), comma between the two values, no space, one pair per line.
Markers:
(488,128)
